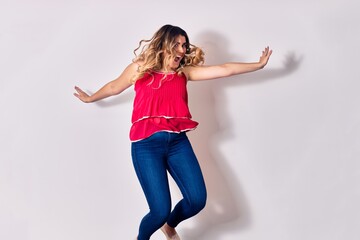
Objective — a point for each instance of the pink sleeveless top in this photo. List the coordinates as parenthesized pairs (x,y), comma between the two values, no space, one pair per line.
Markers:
(160,104)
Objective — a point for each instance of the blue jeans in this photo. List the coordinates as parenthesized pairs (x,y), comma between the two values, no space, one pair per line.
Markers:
(153,157)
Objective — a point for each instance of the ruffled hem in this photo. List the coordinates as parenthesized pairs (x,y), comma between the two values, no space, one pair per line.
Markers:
(150,125)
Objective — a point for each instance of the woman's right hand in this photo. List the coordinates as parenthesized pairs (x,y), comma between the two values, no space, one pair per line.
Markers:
(112,88)
(80,94)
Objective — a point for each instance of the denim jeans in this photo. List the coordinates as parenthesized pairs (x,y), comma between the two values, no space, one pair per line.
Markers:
(153,157)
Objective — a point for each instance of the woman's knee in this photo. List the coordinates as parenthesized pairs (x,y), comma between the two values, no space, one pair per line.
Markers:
(160,214)
(198,203)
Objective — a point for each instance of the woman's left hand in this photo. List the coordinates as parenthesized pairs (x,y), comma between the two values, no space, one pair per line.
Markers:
(265,57)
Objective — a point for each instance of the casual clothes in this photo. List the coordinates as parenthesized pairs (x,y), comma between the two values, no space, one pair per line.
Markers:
(160,104)
(160,119)
(152,158)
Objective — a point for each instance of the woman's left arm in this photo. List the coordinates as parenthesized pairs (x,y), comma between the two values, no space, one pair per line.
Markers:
(227,69)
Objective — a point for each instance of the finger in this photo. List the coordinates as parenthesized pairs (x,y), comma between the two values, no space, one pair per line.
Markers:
(79,90)
(266,50)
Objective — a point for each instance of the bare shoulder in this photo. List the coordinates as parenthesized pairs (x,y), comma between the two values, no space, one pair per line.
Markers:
(134,66)
(131,70)
(188,70)
(199,72)
(128,73)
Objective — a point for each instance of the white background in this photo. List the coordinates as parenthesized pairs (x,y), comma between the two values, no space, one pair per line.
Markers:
(279,148)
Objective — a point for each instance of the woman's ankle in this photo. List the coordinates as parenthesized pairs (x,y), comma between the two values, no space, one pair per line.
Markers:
(169,230)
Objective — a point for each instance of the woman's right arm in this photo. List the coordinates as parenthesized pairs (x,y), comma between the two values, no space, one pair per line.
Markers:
(111,88)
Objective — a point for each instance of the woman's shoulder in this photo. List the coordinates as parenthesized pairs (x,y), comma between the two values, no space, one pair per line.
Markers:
(187,70)
(135,65)
(133,68)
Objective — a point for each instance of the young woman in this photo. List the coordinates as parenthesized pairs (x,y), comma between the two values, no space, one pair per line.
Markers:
(160,120)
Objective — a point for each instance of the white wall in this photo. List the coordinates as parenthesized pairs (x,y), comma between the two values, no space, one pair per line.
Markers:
(279,148)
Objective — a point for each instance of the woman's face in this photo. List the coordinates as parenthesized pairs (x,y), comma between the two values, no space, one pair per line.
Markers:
(180,50)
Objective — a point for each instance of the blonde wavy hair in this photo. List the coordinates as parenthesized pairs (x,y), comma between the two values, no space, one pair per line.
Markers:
(152,52)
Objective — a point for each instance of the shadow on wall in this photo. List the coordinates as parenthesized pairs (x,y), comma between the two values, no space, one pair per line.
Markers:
(227,209)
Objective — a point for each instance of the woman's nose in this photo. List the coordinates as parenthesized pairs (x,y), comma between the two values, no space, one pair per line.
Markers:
(180,49)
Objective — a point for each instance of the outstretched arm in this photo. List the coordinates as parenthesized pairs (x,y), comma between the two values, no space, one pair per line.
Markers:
(111,88)
(227,69)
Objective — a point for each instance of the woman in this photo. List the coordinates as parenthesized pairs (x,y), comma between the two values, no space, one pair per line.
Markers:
(160,120)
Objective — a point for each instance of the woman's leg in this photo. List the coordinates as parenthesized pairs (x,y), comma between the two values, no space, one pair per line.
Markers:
(185,169)
(149,159)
